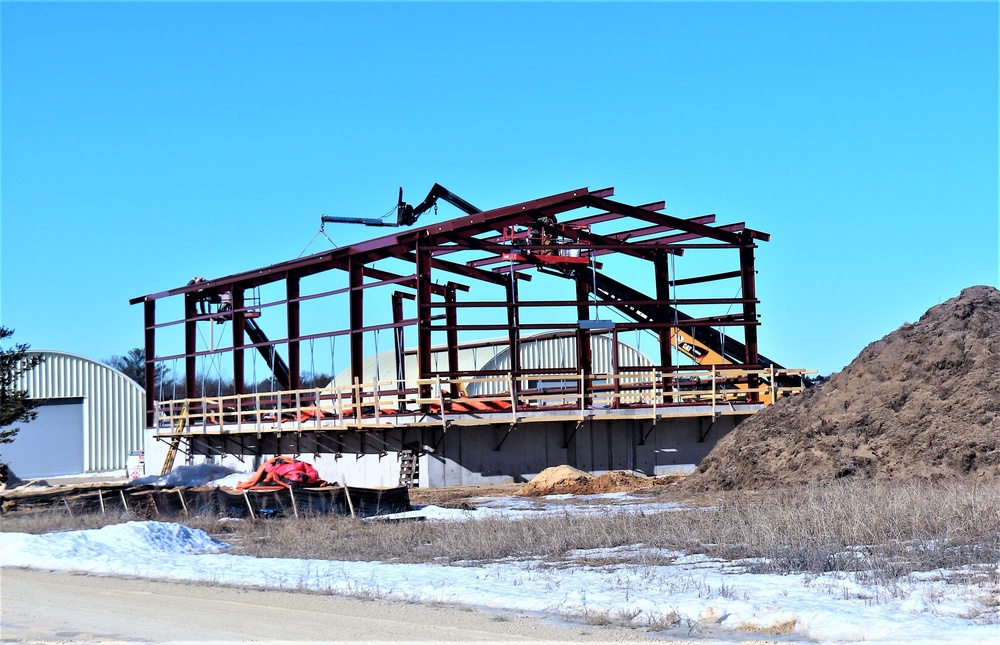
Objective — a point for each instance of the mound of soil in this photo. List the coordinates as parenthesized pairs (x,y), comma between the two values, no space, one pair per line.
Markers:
(922,402)
(618,481)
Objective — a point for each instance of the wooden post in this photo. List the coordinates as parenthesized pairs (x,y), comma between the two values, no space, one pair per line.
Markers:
(295,507)
(350,504)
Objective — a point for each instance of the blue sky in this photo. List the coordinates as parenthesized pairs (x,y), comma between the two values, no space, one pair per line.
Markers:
(143,144)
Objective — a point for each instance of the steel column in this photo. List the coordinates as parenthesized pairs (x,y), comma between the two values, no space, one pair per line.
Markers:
(748,283)
(239,354)
(423,275)
(149,319)
(355,271)
(513,334)
(451,320)
(292,310)
(584,355)
(665,305)
(190,346)
(398,338)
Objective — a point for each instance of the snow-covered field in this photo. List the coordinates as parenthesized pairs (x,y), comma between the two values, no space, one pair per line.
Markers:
(691,591)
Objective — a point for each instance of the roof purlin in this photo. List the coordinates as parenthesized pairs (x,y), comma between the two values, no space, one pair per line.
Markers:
(660,218)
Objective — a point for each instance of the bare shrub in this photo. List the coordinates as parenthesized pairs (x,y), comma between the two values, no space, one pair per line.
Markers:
(661,622)
(592,617)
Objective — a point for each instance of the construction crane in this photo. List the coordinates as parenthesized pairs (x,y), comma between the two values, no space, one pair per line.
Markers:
(406,214)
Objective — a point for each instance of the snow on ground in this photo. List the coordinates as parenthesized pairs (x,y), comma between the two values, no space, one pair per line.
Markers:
(524,508)
(694,590)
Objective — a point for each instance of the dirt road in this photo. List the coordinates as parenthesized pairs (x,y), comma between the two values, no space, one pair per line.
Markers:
(46,607)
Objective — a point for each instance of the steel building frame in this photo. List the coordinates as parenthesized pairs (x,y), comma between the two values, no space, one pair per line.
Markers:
(502,247)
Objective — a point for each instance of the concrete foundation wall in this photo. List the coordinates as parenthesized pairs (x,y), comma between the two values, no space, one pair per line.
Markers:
(479,454)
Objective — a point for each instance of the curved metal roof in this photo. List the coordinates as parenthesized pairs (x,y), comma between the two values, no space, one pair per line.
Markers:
(113,404)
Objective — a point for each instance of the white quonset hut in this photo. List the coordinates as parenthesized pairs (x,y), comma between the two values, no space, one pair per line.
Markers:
(91,418)
(537,352)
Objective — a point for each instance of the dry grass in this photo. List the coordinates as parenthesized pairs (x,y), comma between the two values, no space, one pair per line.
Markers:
(784,627)
(878,530)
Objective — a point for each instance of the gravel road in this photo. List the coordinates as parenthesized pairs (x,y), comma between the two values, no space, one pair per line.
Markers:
(47,607)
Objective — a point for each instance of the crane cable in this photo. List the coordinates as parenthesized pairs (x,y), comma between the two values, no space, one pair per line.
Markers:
(321,231)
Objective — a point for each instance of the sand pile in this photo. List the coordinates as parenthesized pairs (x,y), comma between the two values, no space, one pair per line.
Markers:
(557,480)
(923,402)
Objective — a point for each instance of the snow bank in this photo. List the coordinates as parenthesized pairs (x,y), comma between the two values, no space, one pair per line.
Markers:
(106,548)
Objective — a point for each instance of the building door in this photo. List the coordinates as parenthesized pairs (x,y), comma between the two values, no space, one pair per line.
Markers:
(51,445)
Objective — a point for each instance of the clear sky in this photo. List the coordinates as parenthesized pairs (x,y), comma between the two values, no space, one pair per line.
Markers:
(145,143)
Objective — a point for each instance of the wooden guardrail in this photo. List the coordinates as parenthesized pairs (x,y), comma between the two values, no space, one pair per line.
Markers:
(376,404)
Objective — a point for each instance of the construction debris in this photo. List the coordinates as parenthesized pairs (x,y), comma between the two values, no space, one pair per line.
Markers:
(150,502)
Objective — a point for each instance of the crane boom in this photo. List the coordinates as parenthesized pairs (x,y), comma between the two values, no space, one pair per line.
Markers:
(407,214)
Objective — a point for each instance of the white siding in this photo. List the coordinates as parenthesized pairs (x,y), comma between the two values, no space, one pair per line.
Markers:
(114,405)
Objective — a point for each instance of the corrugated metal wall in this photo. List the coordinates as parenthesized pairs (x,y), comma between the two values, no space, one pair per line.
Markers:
(561,353)
(114,405)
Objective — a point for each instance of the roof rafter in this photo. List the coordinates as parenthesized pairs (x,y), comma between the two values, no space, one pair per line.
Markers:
(659,218)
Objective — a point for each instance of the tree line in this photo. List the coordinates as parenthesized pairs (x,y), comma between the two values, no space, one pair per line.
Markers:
(168,386)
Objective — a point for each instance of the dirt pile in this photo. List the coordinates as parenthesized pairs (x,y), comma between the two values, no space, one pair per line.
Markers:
(922,402)
(621,481)
(562,480)
(557,480)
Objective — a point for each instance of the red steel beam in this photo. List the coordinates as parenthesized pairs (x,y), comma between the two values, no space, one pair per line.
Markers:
(659,218)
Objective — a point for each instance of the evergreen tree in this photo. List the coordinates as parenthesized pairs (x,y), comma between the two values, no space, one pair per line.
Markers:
(133,365)
(15,406)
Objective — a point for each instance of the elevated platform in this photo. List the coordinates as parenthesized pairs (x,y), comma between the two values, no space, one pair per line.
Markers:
(393,404)
(640,427)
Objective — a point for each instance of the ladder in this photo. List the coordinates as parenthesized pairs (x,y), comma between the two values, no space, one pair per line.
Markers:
(175,442)
(408,468)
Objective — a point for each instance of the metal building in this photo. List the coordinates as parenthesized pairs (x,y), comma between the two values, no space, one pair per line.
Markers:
(91,418)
